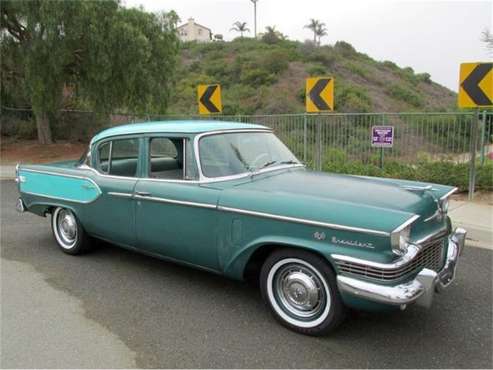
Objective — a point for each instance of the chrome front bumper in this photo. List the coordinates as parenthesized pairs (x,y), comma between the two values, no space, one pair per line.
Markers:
(420,290)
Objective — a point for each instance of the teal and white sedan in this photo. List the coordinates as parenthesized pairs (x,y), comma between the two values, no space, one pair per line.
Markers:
(232,199)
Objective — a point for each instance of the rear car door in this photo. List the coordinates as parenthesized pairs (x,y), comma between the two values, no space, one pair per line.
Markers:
(117,164)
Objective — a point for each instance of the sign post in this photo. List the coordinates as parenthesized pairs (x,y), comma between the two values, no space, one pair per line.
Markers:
(319,93)
(382,137)
(475,91)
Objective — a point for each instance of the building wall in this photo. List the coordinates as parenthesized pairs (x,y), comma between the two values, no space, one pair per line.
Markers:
(192,31)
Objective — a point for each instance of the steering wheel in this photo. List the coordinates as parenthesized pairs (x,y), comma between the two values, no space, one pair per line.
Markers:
(258,158)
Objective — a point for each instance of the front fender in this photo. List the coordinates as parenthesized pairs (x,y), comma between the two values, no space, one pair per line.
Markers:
(236,265)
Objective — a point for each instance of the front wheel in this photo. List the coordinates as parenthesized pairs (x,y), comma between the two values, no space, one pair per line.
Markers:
(301,290)
(68,232)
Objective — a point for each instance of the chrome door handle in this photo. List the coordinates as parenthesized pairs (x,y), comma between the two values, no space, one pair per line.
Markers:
(143,193)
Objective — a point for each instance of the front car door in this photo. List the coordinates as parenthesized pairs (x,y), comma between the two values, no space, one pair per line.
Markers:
(117,168)
(176,217)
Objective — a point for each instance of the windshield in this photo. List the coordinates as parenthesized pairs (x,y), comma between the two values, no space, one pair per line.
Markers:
(236,153)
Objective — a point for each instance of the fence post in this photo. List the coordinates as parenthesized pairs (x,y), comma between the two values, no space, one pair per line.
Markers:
(305,139)
(472,165)
(319,143)
(381,148)
(481,140)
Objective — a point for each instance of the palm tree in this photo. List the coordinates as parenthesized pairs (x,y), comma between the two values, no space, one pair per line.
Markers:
(240,27)
(313,26)
(320,31)
(271,35)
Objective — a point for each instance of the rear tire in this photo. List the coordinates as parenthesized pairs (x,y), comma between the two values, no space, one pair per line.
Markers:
(68,232)
(300,288)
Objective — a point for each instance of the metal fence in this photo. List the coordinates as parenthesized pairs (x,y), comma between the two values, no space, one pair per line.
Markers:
(322,139)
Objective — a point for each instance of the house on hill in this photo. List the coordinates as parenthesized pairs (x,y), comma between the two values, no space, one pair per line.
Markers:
(192,31)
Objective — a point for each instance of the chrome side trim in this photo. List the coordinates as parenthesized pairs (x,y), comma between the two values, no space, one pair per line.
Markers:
(60,198)
(303,221)
(449,193)
(412,252)
(121,195)
(173,201)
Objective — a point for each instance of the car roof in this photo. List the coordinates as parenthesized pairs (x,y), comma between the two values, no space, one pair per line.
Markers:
(185,127)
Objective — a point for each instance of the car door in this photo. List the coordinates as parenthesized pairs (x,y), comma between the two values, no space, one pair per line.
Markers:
(117,165)
(175,216)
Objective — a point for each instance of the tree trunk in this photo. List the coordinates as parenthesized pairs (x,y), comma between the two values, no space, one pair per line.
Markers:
(44,129)
(314,38)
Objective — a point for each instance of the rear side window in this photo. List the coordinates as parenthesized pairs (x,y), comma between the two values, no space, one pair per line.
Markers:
(119,157)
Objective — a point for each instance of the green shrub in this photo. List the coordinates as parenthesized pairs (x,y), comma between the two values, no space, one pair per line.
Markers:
(424,77)
(316,70)
(352,98)
(438,172)
(405,94)
(345,49)
(358,70)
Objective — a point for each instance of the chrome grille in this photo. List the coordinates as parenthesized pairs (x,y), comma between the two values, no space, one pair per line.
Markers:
(431,257)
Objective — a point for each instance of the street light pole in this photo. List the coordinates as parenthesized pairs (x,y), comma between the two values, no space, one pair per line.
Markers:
(254,17)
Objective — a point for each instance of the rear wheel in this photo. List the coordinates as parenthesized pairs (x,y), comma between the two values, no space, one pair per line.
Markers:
(301,290)
(68,232)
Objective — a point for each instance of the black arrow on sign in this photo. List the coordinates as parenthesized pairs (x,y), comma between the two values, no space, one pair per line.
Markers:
(471,84)
(316,91)
(205,99)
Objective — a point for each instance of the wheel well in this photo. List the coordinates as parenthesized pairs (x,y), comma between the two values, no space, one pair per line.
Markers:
(254,265)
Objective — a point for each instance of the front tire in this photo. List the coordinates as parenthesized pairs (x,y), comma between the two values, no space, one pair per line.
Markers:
(68,232)
(301,290)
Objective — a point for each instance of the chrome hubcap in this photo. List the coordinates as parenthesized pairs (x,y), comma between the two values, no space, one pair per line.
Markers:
(67,227)
(299,291)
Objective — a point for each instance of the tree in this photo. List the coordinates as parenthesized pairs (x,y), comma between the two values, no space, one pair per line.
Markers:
(109,56)
(320,31)
(313,27)
(487,38)
(240,27)
(271,35)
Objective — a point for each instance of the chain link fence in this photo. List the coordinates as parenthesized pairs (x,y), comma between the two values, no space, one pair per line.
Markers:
(317,139)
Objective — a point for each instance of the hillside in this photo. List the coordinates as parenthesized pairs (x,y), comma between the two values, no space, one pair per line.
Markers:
(268,78)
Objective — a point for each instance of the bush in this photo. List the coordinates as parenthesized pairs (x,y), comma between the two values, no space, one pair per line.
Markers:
(405,94)
(345,48)
(424,77)
(438,172)
(316,70)
(352,98)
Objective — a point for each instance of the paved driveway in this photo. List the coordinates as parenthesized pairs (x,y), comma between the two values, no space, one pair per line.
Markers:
(114,308)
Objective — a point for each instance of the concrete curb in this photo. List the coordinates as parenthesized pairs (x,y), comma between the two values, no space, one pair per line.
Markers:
(7,172)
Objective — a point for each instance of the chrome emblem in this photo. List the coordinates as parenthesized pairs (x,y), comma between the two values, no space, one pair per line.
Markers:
(319,235)
(352,243)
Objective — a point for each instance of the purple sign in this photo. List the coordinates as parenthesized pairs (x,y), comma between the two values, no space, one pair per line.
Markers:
(382,136)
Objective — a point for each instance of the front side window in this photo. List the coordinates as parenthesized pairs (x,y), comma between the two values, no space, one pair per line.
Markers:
(236,153)
(119,157)
(172,159)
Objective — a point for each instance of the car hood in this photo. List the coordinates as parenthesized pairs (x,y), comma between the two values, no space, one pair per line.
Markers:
(375,203)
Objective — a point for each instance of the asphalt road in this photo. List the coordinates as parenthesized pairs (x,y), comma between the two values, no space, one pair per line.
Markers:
(114,308)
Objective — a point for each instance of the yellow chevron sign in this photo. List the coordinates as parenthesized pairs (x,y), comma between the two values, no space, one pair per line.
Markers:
(209,99)
(476,85)
(319,94)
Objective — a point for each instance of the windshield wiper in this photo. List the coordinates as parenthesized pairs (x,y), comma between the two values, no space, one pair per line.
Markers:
(268,164)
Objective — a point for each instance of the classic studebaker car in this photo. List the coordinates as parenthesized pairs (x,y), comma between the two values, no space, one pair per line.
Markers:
(232,199)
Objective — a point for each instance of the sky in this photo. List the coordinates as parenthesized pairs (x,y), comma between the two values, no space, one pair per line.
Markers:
(429,36)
